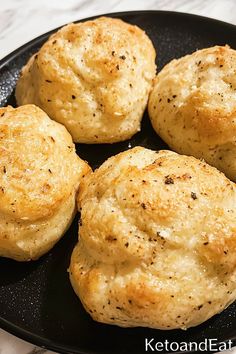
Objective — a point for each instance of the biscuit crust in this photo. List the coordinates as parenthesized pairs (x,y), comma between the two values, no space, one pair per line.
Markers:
(192,106)
(39,178)
(156,242)
(94,77)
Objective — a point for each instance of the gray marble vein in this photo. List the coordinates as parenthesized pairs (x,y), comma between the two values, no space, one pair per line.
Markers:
(37,351)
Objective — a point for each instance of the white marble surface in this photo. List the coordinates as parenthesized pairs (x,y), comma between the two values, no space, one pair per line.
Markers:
(23,20)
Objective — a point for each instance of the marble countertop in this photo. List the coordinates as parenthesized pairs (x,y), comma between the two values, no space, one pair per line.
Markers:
(23,20)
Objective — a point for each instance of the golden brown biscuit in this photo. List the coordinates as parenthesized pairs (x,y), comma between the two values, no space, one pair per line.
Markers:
(193,106)
(39,176)
(157,241)
(94,77)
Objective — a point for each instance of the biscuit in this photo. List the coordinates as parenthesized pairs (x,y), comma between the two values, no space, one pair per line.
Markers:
(193,106)
(156,242)
(39,177)
(94,77)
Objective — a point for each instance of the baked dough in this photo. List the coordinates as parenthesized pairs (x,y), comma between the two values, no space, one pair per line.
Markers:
(193,106)
(39,176)
(94,77)
(157,241)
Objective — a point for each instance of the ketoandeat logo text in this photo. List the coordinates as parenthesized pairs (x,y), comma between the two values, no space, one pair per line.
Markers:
(208,345)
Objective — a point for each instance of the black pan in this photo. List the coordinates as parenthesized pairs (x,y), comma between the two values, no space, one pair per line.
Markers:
(37,302)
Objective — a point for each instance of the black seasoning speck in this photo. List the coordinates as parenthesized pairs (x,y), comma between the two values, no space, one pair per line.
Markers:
(168,100)
(49,100)
(49,170)
(127,244)
(73,97)
(169,180)
(117,67)
(193,196)
(2,114)
(199,307)
(143,206)
(113,53)
(49,81)
(205,243)
(123,57)
(4,169)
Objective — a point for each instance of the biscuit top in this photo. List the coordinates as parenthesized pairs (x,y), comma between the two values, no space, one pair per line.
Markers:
(94,77)
(203,86)
(148,203)
(99,53)
(38,165)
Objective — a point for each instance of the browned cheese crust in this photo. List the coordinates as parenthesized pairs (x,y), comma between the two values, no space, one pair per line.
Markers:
(193,106)
(156,242)
(94,77)
(39,177)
